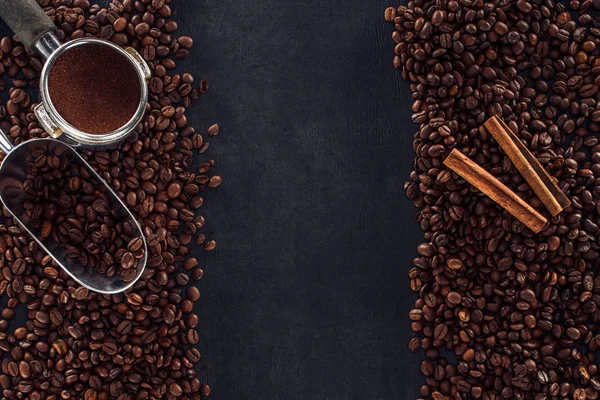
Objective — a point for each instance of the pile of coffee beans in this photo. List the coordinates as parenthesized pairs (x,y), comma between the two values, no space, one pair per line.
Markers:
(142,344)
(74,214)
(504,313)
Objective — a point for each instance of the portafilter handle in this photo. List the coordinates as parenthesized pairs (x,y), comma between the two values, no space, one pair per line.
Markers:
(31,24)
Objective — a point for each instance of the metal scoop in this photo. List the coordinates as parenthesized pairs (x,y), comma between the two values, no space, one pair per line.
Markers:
(13,173)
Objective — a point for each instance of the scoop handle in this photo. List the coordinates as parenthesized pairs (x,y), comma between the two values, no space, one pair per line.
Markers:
(26,19)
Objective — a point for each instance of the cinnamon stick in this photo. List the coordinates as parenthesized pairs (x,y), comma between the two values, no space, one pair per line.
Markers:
(536,176)
(495,190)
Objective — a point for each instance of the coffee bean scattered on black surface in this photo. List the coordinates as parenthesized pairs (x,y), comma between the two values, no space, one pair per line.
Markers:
(503,313)
(142,344)
(71,208)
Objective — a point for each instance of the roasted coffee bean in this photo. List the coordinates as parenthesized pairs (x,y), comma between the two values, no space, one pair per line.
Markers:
(504,313)
(102,242)
(213,130)
(77,344)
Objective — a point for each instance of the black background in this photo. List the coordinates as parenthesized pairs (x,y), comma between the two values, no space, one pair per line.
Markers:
(306,296)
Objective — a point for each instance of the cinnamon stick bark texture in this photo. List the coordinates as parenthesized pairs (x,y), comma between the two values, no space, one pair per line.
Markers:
(495,190)
(534,173)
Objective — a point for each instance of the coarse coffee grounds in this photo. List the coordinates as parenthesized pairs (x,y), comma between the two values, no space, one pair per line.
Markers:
(503,313)
(142,344)
(94,88)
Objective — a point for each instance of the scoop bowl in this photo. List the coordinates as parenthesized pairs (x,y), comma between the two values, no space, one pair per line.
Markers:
(13,174)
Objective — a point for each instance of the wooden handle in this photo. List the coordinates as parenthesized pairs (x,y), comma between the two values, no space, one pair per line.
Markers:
(534,173)
(495,190)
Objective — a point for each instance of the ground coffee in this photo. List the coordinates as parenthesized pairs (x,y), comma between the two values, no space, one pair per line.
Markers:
(94,88)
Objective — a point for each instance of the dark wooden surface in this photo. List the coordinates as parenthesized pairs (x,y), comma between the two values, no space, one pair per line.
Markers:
(306,296)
